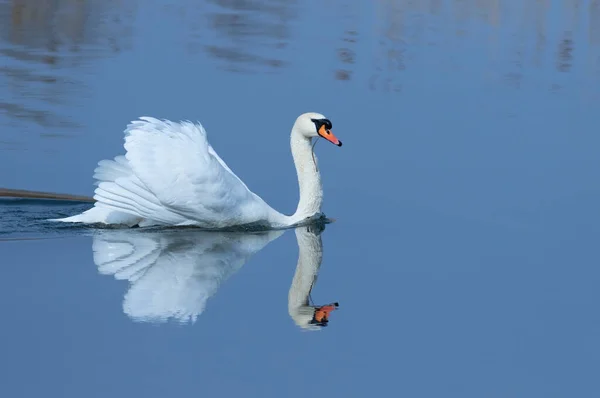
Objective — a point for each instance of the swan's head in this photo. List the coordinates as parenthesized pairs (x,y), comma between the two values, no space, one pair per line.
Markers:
(313,124)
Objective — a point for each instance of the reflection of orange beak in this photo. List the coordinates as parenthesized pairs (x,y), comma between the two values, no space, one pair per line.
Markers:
(322,313)
(328,135)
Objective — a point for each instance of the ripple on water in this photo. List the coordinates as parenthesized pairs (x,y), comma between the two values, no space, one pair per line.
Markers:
(27,218)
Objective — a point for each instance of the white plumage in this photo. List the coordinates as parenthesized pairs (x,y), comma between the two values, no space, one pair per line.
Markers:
(170,175)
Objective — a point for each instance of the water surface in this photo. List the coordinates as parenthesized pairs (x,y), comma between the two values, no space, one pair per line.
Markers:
(464,256)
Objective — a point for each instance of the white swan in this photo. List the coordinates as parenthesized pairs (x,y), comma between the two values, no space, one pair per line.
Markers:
(173,273)
(170,175)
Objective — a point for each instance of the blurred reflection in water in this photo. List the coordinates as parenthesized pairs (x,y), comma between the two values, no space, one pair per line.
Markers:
(508,36)
(346,53)
(173,273)
(44,48)
(47,48)
(249,34)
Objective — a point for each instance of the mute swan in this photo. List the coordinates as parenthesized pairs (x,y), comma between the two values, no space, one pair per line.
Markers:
(170,175)
(173,273)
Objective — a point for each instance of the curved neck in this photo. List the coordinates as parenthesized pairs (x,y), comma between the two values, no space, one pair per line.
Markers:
(309,179)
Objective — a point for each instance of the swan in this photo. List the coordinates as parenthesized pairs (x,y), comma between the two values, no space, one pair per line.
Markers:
(171,176)
(173,273)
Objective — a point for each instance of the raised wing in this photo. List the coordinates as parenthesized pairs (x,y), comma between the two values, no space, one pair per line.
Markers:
(171,174)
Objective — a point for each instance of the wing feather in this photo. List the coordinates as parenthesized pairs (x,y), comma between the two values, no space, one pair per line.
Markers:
(170,175)
(181,172)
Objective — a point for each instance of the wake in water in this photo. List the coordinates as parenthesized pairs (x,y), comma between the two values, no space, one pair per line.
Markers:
(25,217)
(26,214)
(24,194)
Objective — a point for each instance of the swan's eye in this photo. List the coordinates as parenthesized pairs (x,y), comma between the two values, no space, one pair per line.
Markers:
(322,123)
(324,130)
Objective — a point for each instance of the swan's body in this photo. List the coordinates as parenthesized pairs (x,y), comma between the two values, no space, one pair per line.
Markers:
(171,175)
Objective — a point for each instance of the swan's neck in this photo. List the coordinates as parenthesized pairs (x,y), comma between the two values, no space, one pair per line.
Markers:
(309,179)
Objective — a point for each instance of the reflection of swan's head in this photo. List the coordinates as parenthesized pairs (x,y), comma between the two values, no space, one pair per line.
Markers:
(313,124)
(313,317)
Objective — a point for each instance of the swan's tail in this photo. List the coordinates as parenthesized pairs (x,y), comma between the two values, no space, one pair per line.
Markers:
(121,198)
(101,215)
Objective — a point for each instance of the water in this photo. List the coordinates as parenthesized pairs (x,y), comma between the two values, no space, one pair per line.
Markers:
(464,256)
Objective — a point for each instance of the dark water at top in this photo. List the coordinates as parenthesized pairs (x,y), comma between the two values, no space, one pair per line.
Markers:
(465,253)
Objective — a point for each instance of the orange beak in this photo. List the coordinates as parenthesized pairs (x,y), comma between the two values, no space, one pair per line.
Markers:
(328,135)
(322,313)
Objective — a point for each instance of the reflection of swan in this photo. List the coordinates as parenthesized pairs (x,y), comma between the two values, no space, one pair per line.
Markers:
(171,175)
(173,273)
(310,255)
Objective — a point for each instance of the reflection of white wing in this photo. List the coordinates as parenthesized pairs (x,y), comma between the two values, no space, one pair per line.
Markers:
(173,273)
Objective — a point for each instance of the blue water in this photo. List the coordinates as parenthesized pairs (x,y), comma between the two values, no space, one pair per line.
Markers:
(464,255)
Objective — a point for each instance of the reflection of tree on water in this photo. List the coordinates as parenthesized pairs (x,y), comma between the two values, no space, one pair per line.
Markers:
(594,36)
(66,24)
(346,53)
(520,35)
(249,33)
(565,46)
(391,45)
(42,42)
(540,32)
(565,53)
